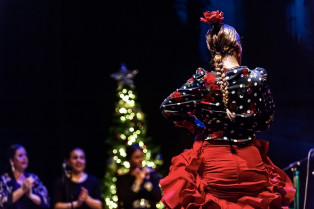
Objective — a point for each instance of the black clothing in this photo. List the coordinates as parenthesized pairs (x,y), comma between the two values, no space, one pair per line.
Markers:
(128,199)
(197,106)
(68,191)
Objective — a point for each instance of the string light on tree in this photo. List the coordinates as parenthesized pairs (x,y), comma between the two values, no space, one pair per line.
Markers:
(128,127)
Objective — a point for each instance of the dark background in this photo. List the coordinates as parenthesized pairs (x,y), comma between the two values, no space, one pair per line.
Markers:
(56,58)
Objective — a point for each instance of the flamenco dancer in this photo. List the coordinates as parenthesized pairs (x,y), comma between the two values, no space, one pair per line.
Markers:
(227,168)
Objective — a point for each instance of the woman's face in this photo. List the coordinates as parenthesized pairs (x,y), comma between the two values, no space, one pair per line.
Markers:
(20,159)
(136,159)
(77,160)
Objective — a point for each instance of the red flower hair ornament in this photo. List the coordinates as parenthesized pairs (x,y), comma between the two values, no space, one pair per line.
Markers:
(214,17)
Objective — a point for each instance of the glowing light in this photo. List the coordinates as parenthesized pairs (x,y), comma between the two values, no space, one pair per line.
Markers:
(118,161)
(132,96)
(122,110)
(132,138)
(122,118)
(131,103)
(124,91)
(138,132)
(114,179)
(131,129)
(145,150)
(151,164)
(125,98)
(115,198)
(126,164)
(139,116)
(130,142)
(122,152)
(122,136)
(114,151)
(141,144)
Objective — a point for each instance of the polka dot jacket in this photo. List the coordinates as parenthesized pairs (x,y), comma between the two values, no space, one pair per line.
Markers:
(197,106)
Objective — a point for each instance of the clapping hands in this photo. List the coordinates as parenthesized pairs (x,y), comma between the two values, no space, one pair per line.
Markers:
(28,185)
(82,196)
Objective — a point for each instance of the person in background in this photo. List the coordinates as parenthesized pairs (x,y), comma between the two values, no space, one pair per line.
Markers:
(76,188)
(224,108)
(18,188)
(139,188)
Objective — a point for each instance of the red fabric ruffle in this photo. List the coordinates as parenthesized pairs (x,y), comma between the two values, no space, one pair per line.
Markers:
(184,188)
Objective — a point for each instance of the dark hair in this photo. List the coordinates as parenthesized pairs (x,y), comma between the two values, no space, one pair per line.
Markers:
(9,155)
(68,155)
(130,149)
(12,150)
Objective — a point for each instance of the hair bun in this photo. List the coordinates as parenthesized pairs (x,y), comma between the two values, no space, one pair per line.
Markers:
(214,17)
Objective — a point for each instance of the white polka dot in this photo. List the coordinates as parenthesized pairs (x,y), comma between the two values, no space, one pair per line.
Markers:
(255,84)
(225,138)
(235,71)
(249,80)
(260,99)
(241,107)
(233,82)
(241,85)
(241,96)
(248,111)
(255,94)
(249,100)
(217,104)
(241,75)
(233,92)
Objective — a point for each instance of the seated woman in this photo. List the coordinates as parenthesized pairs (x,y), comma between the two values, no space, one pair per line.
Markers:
(139,188)
(18,188)
(77,189)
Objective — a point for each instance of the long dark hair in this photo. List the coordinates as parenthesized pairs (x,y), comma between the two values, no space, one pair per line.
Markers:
(9,155)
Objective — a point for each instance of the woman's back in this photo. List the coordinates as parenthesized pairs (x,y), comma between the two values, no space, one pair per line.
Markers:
(198,107)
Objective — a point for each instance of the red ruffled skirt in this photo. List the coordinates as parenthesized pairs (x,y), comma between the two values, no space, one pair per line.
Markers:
(212,177)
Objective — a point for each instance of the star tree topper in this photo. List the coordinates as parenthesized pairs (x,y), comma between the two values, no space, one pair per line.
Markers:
(124,77)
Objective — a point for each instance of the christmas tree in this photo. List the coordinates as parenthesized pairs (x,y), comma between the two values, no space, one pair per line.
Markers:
(128,127)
